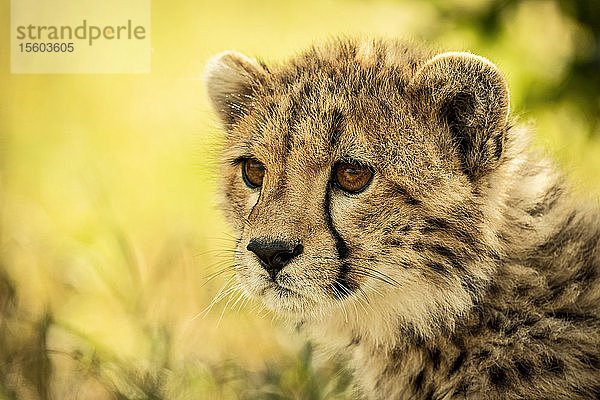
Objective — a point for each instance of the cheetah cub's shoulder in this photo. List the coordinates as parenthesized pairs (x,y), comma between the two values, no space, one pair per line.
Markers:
(384,200)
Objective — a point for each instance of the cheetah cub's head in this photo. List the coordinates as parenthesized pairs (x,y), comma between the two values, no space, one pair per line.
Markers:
(359,178)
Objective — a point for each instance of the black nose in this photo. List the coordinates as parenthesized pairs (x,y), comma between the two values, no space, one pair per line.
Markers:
(274,254)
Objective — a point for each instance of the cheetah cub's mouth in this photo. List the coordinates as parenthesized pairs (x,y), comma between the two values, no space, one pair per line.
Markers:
(349,179)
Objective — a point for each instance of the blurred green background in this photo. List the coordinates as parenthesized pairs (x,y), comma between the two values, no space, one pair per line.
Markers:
(109,230)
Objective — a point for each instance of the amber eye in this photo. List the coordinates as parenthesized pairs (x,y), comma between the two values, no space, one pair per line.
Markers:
(352,178)
(253,172)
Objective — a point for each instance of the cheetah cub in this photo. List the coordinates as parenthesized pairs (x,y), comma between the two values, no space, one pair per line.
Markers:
(385,202)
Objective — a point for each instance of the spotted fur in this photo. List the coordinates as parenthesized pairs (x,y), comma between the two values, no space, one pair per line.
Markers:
(464,270)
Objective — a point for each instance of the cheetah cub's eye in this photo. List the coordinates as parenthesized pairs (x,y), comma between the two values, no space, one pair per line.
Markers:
(253,172)
(352,178)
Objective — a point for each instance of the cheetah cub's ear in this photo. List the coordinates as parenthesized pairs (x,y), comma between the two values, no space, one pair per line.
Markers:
(468,95)
(231,79)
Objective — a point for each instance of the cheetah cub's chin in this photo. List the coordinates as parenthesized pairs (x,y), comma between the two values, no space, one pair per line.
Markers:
(383,198)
